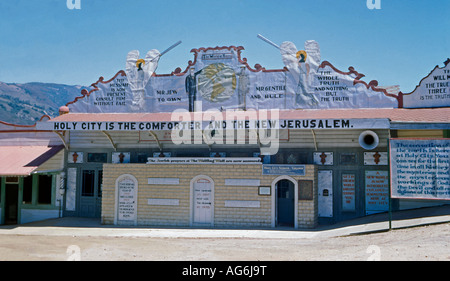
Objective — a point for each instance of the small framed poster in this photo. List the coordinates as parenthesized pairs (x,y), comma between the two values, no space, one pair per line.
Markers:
(305,190)
(75,157)
(264,190)
(121,157)
(323,158)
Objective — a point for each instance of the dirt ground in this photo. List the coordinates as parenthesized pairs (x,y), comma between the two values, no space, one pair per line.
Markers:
(424,243)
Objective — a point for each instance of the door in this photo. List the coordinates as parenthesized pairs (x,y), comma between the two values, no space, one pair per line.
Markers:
(203,208)
(91,193)
(11,203)
(285,203)
(325,199)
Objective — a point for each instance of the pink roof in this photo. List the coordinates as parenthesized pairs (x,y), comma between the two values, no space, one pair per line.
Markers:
(23,160)
(431,115)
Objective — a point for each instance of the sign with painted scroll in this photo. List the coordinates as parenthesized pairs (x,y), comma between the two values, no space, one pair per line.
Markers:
(315,84)
(336,89)
(432,91)
(109,96)
(420,168)
(219,78)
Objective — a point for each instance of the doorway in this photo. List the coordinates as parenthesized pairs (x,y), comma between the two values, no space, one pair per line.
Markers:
(91,193)
(11,203)
(285,203)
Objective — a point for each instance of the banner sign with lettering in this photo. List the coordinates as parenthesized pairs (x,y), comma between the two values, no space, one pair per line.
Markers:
(220,79)
(272,169)
(432,91)
(420,168)
(204,161)
(336,89)
(213,125)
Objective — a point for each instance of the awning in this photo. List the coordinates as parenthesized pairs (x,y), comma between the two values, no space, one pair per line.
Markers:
(24,160)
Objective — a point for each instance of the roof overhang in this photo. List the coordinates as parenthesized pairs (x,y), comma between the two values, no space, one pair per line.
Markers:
(24,160)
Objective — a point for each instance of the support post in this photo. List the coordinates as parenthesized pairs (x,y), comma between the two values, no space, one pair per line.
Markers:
(389,184)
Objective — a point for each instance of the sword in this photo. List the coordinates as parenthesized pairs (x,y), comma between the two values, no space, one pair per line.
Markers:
(273,44)
(170,48)
(268,41)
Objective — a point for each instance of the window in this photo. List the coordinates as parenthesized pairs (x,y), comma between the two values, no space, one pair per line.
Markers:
(12,179)
(348,158)
(45,189)
(97,157)
(27,190)
(142,157)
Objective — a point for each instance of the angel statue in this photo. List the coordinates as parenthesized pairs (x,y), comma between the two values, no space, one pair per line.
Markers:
(138,73)
(302,64)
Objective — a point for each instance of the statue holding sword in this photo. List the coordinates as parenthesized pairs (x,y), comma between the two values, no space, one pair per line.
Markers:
(300,64)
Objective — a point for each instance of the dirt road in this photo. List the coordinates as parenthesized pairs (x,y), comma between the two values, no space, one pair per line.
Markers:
(425,243)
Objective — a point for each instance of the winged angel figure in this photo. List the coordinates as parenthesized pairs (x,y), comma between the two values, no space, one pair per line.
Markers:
(302,64)
(138,73)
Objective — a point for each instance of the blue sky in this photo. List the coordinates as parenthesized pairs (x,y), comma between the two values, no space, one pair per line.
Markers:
(44,41)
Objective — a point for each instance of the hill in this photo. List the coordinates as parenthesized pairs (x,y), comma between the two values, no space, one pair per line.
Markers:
(25,104)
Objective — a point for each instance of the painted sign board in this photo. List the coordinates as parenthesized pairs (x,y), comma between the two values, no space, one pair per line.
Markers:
(348,192)
(269,169)
(204,161)
(203,201)
(323,158)
(194,125)
(432,91)
(375,158)
(377,191)
(220,79)
(420,168)
(120,157)
(325,198)
(75,157)
(126,196)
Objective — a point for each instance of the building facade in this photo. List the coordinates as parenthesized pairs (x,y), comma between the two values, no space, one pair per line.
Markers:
(223,144)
